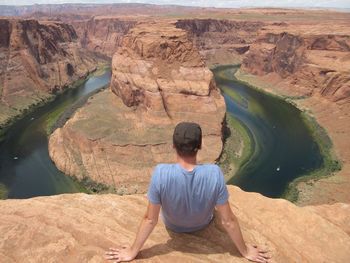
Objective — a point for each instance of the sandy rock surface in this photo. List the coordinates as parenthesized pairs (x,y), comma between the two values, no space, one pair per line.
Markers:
(79,227)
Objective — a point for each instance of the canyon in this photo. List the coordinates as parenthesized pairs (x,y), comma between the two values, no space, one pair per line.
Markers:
(160,76)
(305,61)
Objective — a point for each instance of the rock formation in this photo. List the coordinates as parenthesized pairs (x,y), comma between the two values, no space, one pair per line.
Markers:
(158,80)
(80,227)
(36,60)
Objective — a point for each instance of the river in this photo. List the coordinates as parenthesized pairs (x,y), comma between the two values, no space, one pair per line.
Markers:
(282,145)
(26,169)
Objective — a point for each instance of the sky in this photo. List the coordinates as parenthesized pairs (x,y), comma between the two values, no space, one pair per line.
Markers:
(204,3)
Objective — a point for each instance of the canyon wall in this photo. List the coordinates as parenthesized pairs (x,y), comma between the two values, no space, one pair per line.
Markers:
(310,63)
(158,80)
(103,34)
(37,59)
(221,41)
(80,227)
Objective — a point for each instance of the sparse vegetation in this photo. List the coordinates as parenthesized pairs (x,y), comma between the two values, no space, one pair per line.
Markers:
(3,191)
(330,162)
(237,147)
(101,70)
(61,114)
(89,186)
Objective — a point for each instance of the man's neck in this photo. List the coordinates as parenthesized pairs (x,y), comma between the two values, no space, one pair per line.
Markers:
(187,162)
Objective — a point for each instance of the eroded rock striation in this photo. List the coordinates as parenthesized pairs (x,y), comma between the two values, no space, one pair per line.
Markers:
(158,80)
(36,60)
(80,227)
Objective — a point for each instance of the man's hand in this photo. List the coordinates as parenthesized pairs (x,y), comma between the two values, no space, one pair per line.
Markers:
(256,255)
(230,223)
(147,225)
(121,255)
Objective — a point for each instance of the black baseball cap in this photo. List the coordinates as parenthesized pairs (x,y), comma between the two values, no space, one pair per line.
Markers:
(187,137)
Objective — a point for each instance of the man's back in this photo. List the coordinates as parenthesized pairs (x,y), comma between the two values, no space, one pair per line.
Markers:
(187,197)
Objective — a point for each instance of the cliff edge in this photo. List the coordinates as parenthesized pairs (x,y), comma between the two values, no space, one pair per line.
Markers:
(79,227)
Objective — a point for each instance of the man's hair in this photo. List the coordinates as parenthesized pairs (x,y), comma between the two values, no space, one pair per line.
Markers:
(187,138)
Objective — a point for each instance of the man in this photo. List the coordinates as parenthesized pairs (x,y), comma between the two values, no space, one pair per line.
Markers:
(188,193)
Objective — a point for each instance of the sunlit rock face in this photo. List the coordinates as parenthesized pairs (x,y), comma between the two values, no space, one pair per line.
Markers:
(158,80)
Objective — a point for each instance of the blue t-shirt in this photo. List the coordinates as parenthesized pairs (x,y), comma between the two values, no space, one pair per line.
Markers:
(187,198)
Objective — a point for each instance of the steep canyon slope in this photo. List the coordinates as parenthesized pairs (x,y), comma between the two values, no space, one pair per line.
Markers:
(37,59)
(158,79)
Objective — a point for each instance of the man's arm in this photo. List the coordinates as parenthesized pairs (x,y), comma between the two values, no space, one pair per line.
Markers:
(146,227)
(231,225)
